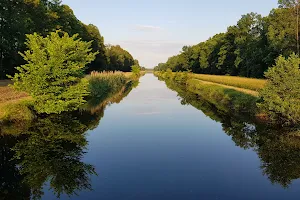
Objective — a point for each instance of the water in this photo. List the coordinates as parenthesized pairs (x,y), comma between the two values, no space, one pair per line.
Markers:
(150,146)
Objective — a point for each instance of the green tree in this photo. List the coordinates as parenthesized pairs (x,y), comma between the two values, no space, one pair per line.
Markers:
(249,46)
(119,59)
(101,62)
(281,96)
(136,70)
(53,74)
(281,32)
(294,6)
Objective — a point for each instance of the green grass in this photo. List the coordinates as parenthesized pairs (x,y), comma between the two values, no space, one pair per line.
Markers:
(16,111)
(240,82)
(14,105)
(224,98)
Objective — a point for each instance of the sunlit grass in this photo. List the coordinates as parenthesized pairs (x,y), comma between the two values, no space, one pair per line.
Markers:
(12,103)
(17,110)
(240,82)
(9,94)
(223,98)
(104,83)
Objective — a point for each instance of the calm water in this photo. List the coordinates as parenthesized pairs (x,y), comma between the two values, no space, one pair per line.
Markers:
(149,146)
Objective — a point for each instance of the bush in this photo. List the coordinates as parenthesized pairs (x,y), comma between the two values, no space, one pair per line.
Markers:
(136,70)
(54,72)
(281,96)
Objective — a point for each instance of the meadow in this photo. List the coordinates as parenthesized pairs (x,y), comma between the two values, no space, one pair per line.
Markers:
(240,82)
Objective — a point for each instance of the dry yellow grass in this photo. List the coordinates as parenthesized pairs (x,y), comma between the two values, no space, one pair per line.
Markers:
(246,91)
(109,73)
(240,82)
(9,94)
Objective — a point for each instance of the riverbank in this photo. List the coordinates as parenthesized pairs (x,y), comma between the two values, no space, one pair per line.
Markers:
(234,81)
(249,86)
(14,105)
(225,98)
(17,106)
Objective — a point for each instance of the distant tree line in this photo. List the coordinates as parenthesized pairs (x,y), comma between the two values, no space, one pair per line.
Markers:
(21,17)
(247,49)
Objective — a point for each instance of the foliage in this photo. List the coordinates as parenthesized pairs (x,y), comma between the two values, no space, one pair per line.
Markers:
(246,49)
(281,96)
(136,70)
(20,17)
(119,59)
(53,75)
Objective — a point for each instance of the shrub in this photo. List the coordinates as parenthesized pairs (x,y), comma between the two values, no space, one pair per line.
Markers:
(136,70)
(281,96)
(53,74)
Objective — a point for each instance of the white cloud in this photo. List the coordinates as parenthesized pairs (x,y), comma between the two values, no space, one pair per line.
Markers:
(147,28)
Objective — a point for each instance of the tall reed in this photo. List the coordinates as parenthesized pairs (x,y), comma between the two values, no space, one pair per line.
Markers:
(103,83)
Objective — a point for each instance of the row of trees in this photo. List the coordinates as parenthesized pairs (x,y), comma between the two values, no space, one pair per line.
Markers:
(247,48)
(21,17)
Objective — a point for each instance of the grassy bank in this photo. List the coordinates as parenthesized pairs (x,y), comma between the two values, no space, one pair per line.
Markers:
(14,105)
(224,99)
(245,85)
(240,82)
(17,106)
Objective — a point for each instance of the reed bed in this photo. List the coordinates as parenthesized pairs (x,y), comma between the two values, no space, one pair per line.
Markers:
(103,83)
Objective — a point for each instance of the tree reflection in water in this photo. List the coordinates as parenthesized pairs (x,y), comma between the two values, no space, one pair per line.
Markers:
(49,151)
(52,152)
(278,149)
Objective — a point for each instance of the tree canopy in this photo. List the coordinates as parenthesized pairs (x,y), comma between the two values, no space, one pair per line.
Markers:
(248,48)
(54,72)
(21,17)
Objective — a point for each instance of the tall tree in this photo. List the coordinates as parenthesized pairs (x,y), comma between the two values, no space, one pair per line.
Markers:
(119,59)
(294,6)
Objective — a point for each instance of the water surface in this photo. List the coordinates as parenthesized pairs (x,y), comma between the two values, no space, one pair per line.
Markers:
(154,145)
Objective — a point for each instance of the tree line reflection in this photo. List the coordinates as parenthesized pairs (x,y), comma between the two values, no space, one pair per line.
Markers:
(49,151)
(278,149)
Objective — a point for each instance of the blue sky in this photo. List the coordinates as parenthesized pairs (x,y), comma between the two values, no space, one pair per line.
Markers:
(153,30)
